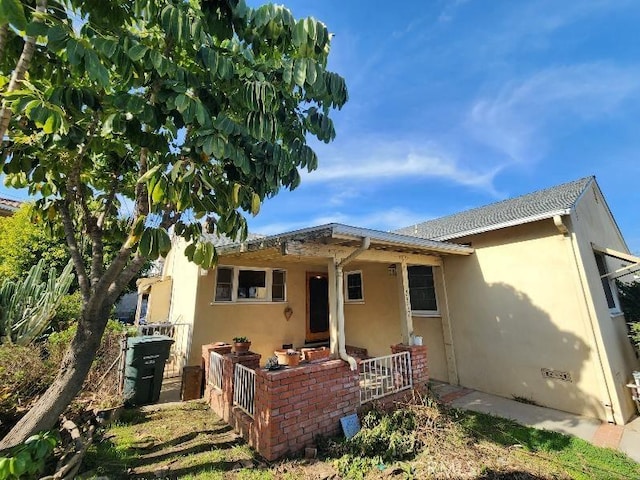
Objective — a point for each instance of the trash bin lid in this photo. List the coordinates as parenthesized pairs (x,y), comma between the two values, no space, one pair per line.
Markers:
(146,339)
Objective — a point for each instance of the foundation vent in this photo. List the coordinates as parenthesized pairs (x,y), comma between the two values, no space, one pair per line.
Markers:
(556,375)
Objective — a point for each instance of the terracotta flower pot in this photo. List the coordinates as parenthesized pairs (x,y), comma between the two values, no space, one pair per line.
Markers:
(288,357)
(241,347)
(315,354)
(293,359)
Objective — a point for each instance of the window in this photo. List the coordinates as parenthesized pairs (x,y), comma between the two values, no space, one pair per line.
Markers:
(353,287)
(278,286)
(607,283)
(224,278)
(422,290)
(252,284)
(240,284)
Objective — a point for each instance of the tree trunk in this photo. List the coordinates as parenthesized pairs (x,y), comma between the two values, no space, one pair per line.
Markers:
(21,69)
(71,376)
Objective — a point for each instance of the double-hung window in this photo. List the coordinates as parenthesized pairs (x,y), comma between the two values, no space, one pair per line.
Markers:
(353,287)
(422,290)
(241,284)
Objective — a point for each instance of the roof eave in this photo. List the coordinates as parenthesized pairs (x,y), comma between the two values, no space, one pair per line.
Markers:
(512,223)
(345,232)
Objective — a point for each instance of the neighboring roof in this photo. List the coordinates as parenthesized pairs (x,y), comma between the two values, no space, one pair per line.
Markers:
(337,232)
(8,205)
(540,205)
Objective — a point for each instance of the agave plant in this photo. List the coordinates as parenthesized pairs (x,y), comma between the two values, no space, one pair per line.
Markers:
(27,306)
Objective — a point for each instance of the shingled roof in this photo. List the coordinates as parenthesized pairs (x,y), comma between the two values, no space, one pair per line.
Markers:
(558,200)
(8,206)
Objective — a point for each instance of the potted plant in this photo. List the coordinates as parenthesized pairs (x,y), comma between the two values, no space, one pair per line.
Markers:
(241,344)
(288,357)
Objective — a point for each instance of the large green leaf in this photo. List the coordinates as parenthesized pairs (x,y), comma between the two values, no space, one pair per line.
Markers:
(12,11)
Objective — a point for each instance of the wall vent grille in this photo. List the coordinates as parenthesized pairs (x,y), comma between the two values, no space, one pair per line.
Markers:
(556,375)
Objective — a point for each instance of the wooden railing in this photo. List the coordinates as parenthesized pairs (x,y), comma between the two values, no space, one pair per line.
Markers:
(382,376)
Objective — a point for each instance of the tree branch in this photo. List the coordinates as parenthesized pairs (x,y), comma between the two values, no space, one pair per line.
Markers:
(111,195)
(142,196)
(4,32)
(76,256)
(130,271)
(21,68)
(76,187)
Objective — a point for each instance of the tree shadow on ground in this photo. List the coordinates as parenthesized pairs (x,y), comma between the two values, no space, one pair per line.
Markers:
(168,444)
(508,433)
(515,475)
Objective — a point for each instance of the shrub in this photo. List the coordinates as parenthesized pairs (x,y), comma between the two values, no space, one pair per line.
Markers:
(24,376)
(385,437)
(105,391)
(68,312)
(28,459)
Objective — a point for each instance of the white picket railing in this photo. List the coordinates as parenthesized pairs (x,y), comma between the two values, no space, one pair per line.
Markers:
(215,370)
(244,388)
(382,376)
(179,354)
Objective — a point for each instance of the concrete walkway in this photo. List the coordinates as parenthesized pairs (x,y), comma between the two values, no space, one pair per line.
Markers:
(625,438)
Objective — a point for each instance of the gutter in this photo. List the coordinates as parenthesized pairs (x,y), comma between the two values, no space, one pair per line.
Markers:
(342,349)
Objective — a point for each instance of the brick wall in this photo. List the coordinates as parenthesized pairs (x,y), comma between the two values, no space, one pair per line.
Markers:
(294,405)
(419,368)
(221,400)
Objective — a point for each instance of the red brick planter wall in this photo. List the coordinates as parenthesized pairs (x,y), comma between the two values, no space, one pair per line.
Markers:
(419,368)
(294,405)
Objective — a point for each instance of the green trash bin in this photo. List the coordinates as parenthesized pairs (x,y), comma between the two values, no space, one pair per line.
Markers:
(144,368)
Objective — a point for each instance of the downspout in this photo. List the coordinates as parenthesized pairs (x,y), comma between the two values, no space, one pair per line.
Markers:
(608,407)
(342,349)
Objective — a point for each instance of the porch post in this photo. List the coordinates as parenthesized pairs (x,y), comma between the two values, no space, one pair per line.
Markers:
(404,301)
(450,354)
(333,308)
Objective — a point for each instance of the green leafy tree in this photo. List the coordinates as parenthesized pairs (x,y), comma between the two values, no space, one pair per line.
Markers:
(24,242)
(194,112)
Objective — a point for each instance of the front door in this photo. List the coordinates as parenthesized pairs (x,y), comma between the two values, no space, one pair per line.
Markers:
(317,307)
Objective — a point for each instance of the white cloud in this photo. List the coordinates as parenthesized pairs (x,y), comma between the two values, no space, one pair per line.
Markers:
(375,163)
(522,118)
(385,220)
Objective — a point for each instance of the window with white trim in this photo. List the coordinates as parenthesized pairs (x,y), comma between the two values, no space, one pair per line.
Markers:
(353,290)
(608,285)
(422,290)
(244,284)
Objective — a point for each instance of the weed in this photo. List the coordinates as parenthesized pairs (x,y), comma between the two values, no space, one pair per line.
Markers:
(525,400)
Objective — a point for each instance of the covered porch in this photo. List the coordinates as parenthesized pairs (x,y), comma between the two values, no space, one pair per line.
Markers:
(348,287)
(356,299)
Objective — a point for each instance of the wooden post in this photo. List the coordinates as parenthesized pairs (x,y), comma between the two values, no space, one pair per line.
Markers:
(333,308)
(404,301)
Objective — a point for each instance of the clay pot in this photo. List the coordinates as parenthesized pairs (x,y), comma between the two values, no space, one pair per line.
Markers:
(241,347)
(315,354)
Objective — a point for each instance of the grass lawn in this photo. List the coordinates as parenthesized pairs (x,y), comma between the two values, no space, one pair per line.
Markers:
(189,442)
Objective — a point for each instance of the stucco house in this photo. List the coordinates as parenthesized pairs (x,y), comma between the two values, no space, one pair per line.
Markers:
(516,298)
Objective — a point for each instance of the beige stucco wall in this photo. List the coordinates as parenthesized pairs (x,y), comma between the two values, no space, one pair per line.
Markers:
(159,301)
(592,222)
(516,308)
(184,288)
(373,324)
(264,323)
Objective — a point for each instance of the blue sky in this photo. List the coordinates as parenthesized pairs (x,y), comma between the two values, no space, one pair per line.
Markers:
(455,104)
